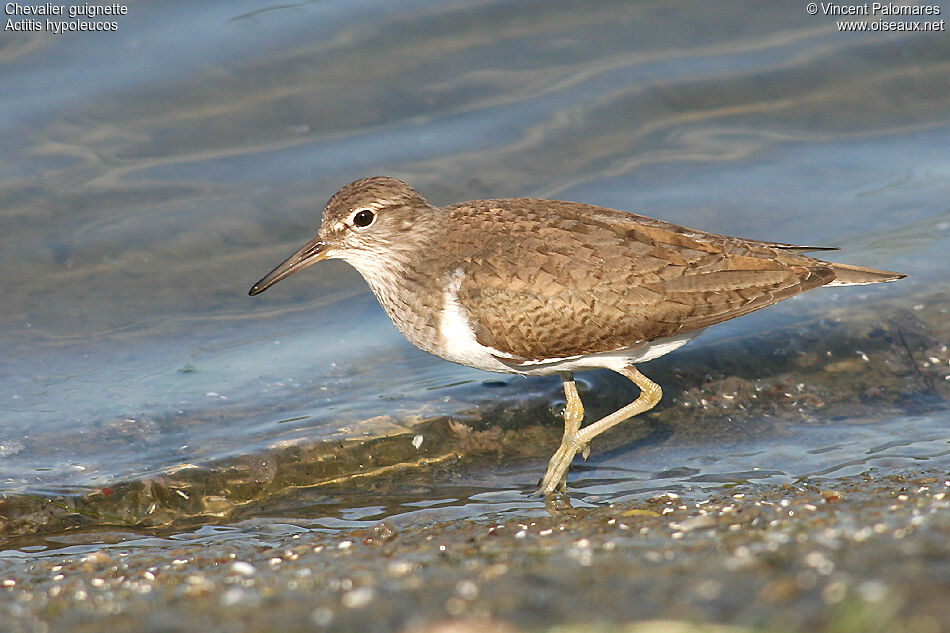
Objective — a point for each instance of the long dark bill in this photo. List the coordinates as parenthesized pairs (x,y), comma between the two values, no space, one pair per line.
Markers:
(311,252)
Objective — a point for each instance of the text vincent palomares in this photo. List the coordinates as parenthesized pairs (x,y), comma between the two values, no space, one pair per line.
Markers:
(877,8)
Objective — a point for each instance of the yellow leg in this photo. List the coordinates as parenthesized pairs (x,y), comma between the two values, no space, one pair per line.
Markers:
(577,440)
(573,416)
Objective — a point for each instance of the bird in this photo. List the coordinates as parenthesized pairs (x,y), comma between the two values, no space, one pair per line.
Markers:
(538,287)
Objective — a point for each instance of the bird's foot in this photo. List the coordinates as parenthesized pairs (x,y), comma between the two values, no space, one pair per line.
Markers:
(555,479)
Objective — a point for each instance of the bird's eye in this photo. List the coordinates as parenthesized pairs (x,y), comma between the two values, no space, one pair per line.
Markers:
(363,218)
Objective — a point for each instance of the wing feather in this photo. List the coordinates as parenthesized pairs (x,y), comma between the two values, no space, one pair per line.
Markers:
(601,280)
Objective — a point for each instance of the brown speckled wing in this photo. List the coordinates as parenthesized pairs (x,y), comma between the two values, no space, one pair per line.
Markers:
(597,280)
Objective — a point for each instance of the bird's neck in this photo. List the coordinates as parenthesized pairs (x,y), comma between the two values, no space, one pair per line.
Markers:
(407,286)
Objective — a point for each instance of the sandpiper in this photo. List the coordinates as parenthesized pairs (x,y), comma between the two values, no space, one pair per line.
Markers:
(534,287)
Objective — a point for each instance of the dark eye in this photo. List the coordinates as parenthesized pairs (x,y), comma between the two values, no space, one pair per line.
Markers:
(363,218)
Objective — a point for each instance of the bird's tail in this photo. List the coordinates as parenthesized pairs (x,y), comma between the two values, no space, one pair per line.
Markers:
(846,275)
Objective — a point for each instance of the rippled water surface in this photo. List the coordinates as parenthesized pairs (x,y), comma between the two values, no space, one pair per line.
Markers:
(148,177)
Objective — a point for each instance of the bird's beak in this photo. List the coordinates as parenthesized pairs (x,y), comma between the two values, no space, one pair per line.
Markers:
(311,252)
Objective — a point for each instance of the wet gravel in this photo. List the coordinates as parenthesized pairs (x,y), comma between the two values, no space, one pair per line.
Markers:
(858,554)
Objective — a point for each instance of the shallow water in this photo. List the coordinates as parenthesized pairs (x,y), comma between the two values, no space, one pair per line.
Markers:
(149,177)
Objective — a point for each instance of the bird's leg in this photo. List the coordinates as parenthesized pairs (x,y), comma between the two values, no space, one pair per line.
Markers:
(576,439)
(650,394)
(573,415)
